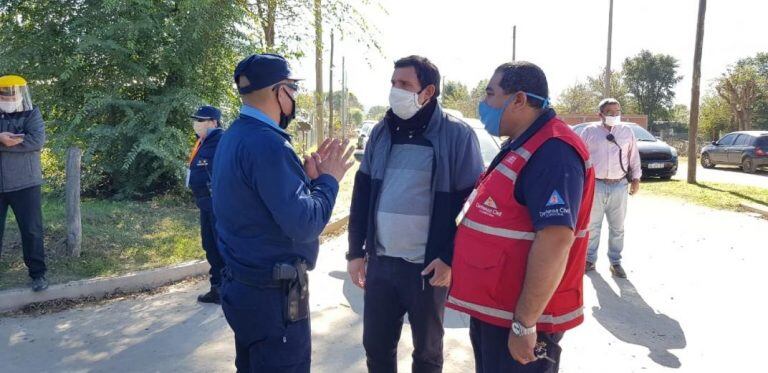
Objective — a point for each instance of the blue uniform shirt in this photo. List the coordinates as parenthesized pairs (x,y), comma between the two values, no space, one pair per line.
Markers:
(552,182)
(267,209)
(201,166)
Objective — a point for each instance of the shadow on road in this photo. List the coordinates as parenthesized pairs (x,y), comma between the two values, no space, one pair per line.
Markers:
(354,296)
(630,319)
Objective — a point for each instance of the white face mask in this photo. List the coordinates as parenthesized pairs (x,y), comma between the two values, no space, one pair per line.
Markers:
(201,128)
(612,121)
(10,106)
(404,104)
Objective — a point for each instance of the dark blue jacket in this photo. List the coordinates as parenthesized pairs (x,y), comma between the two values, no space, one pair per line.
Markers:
(201,169)
(267,209)
(458,164)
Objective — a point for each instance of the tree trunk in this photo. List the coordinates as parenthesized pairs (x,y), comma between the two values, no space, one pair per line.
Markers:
(693,127)
(74,222)
(330,91)
(319,72)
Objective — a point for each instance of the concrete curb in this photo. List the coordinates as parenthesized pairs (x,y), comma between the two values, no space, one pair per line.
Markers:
(762,210)
(14,299)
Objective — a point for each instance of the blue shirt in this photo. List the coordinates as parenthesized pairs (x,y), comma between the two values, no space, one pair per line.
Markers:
(267,209)
(551,184)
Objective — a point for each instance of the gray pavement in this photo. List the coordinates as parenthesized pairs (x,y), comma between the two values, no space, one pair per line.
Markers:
(692,304)
(725,174)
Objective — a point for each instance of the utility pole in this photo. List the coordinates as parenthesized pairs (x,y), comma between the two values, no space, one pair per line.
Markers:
(343,97)
(330,92)
(514,42)
(319,74)
(607,87)
(693,126)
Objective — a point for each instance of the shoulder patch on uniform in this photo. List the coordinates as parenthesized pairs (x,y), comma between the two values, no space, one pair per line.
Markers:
(555,199)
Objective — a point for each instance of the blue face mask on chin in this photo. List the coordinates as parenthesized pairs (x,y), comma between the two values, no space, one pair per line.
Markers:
(491,116)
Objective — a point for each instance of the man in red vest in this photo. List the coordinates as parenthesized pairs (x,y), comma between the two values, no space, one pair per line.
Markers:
(522,237)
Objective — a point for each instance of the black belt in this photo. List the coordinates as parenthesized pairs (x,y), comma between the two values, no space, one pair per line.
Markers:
(260,279)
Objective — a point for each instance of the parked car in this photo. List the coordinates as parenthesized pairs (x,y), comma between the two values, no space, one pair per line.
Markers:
(748,149)
(489,145)
(657,158)
(364,132)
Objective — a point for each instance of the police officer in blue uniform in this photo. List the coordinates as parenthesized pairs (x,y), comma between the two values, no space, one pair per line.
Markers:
(270,210)
(207,125)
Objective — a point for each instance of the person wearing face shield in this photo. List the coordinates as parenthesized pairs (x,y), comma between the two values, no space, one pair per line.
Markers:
(206,123)
(22,135)
(270,209)
(616,159)
(520,247)
(419,166)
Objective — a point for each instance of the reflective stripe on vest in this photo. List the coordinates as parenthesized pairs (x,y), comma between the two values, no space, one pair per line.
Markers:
(508,233)
(506,315)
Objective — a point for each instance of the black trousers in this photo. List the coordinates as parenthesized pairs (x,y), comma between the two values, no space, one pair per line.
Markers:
(210,245)
(394,287)
(27,206)
(489,343)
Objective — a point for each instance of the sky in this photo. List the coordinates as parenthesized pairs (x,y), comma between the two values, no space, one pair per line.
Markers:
(467,40)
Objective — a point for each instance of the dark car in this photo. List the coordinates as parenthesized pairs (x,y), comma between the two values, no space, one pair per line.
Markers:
(657,158)
(748,149)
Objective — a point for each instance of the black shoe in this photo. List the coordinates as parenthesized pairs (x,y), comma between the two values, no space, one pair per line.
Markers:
(618,271)
(39,284)
(211,296)
(589,267)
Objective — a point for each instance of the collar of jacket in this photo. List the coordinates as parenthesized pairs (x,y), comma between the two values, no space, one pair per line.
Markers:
(434,125)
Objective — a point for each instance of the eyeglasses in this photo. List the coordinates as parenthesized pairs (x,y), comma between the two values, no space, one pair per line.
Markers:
(293,86)
(201,119)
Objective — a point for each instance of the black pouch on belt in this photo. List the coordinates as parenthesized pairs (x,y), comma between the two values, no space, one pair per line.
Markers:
(295,281)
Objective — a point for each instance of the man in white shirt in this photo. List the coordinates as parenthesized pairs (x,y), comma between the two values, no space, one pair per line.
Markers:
(613,150)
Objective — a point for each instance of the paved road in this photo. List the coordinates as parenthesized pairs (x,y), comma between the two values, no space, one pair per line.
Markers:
(692,304)
(725,174)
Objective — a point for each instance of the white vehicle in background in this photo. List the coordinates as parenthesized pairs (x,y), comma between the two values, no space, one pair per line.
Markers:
(489,145)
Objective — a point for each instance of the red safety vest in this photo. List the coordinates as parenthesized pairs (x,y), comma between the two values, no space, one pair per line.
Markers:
(496,233)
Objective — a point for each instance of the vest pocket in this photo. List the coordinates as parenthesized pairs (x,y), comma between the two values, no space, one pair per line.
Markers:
(480,270)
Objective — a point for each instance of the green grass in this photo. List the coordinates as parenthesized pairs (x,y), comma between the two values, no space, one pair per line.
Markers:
(715,195)
(118,237)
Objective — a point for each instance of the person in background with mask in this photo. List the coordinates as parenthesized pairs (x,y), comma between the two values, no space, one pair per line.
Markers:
(522,239)
(207,126)
(617,168)
(22,135)
(270,210)
(419,166)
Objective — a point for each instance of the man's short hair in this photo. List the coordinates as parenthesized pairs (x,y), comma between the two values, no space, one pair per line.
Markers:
(605,102)
(426,71)
(524,76)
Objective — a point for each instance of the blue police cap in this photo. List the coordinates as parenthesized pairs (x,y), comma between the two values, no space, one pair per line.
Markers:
(208,112)
(262,70)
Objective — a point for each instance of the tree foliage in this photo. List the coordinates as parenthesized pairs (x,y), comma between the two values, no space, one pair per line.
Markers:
(120,78)
(376,112)
(584,97)
(456,96)
(651,79)
(743,87)
(715,116)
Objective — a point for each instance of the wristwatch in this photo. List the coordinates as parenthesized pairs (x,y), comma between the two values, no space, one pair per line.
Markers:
(520,330)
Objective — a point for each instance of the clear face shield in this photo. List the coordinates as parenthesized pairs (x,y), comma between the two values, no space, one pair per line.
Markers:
(14,95)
